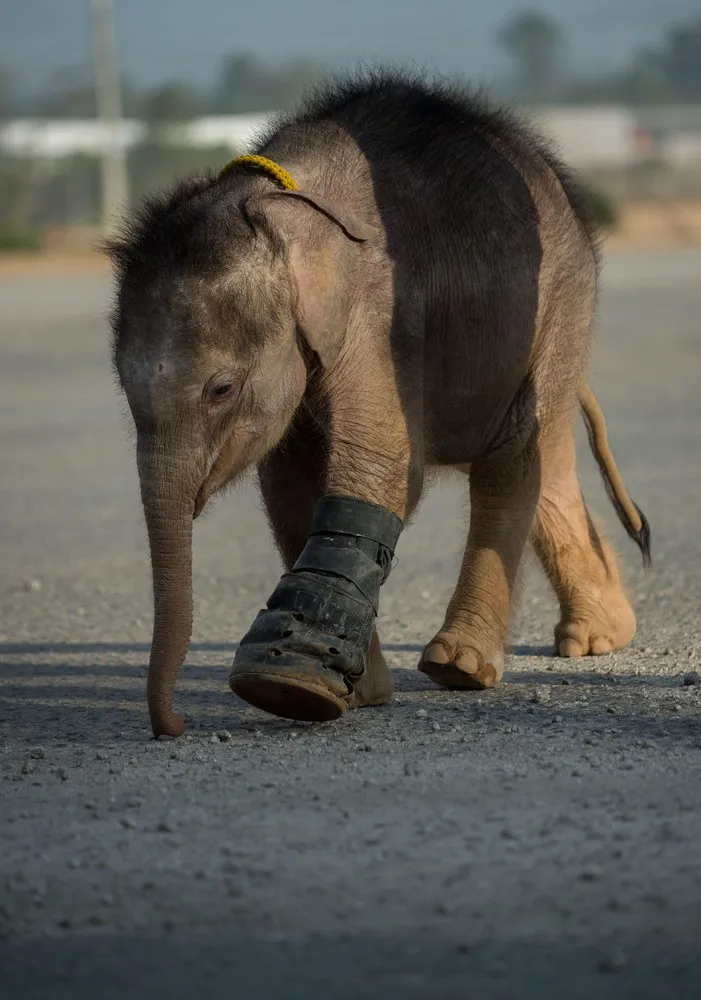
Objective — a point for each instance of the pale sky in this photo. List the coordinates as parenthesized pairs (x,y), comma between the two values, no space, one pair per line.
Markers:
(162,39)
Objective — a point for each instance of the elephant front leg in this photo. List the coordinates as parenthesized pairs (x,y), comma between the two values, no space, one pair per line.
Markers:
(337,511)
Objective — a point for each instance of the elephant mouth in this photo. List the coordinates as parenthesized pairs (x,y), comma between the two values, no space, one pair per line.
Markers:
(200,503)
(211,486)
(214,481)
(232,459)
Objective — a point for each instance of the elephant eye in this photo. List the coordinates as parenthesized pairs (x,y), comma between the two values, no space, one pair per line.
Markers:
(220,389)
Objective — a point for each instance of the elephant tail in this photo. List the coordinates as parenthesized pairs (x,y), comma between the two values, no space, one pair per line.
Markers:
(629,514)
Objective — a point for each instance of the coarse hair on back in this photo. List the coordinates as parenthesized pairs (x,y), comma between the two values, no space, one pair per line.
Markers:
(166,227)
(358,99)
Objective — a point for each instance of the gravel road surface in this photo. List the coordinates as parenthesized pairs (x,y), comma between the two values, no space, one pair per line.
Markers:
(541,840)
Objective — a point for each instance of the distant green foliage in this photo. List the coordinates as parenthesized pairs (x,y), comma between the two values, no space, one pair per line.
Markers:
(665,73)
(246,84)
(534,41)
(680,59)
(153,166)
(602,206)
(172,102)
(18,240)
(667,70)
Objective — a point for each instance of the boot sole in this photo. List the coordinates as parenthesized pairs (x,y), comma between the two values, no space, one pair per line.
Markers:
(299,698)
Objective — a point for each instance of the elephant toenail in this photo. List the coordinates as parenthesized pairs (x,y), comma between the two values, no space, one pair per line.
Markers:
(436,653)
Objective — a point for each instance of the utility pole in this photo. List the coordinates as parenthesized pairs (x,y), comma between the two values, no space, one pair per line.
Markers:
(108,99)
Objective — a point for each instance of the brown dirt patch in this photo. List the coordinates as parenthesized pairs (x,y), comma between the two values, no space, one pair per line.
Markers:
(657,226)
(46,264)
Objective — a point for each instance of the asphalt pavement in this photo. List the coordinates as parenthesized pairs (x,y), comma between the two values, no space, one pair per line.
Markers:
(539,840)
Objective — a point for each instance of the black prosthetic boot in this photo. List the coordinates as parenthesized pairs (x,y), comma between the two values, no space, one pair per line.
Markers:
(309,646)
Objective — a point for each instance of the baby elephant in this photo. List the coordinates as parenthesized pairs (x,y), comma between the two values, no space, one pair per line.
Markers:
(399,279)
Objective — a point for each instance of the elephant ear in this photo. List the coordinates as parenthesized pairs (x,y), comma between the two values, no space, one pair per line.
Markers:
(323,295)
(354,228)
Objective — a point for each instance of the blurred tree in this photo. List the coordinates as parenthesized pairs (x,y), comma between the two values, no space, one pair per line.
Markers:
(243,85)
(18,193)
(132,100)
(67,94)
(153,166)
(246,84)
(173,102)
(167,107)
(643,82)
(534,41)
(5,92)
(680,60)
(654,76)
(299,76)
(70,194)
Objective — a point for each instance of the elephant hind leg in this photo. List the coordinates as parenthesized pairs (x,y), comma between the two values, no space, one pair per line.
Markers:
(595,614)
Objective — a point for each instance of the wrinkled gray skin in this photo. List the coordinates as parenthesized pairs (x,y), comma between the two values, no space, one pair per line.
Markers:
(204,410)
(421,305)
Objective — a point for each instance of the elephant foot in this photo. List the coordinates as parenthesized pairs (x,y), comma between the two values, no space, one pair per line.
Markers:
(376,686)
(458,661)
(310,654)
(293,686)
(611,626)
(289,695)
(305,651)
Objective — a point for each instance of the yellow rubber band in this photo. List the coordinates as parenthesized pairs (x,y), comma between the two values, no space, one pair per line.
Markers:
(269,167)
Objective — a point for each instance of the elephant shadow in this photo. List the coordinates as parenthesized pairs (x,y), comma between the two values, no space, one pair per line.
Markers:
(62,692)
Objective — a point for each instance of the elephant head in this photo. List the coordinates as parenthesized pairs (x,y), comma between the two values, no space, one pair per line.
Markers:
(227,292)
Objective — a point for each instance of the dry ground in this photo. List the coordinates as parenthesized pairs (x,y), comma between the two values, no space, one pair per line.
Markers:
(540,840)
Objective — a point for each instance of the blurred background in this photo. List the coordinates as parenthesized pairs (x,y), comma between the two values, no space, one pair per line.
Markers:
(541,840)
(102,101)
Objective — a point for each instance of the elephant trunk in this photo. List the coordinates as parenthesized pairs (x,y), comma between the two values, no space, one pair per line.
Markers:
(169,523)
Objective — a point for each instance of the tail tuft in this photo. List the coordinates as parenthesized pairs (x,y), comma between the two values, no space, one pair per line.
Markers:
(642,537)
